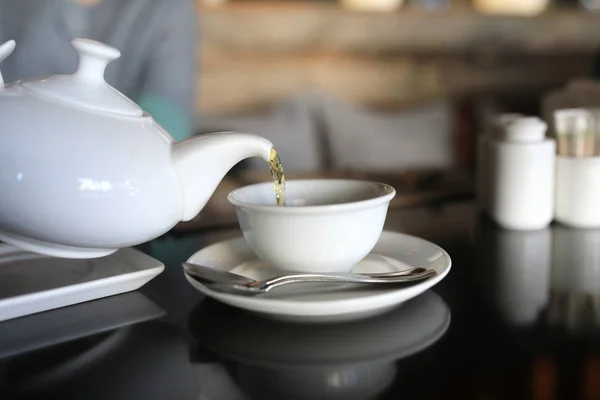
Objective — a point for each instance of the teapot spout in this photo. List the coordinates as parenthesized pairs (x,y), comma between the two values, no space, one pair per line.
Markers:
(202,161)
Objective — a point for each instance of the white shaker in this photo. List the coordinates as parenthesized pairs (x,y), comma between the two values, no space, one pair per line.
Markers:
(521,175)
(484,145)
(577,168)
(578,192)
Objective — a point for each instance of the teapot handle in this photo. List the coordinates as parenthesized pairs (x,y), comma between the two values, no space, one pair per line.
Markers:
(5,50)
(93,59)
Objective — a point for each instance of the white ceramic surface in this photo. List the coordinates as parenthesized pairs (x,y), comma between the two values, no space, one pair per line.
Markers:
(327,225)
(31,283)
(392,252)
(6,50)
(521,176)
(578,192)
(484,148)
(84,172)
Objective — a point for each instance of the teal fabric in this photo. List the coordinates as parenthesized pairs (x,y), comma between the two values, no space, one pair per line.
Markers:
(168,115)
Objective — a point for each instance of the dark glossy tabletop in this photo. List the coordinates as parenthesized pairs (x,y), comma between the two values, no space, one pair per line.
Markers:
(516,318)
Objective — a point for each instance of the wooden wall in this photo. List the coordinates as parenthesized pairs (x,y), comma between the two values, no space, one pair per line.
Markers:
(255,54)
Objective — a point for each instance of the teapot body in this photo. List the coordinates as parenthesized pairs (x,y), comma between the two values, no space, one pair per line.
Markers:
(84,171)
(76,183)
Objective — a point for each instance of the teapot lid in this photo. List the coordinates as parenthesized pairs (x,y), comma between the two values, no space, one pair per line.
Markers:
(86,87)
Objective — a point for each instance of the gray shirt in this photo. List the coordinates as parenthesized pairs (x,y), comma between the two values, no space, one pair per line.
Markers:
(158,41)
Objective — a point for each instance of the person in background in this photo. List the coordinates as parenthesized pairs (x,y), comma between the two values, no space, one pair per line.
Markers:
(158,41)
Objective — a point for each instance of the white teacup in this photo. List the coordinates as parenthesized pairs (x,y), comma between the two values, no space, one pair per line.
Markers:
(326,225)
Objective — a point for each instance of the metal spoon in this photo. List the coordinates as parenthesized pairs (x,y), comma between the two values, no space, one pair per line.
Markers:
(232,283)
(220,276)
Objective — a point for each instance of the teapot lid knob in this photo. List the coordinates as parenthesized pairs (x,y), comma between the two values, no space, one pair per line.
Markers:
(5,50)
(86,88)
(93,58)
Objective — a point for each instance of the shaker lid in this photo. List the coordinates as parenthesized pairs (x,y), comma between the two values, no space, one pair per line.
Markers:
(525,130)
(498,126)
(86,87)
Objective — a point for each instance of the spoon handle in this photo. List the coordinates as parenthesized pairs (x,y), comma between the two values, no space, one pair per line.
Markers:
(303,278)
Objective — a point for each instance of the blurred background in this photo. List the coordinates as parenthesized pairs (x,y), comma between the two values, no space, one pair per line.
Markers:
(386,87)
(383,85)
(394,90)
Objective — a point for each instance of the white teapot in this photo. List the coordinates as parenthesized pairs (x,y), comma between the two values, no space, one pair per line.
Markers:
(84,171)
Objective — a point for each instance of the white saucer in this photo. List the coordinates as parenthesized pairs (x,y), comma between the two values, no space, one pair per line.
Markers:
(393,251)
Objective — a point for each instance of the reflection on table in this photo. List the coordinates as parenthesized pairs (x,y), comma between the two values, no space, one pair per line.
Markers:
(242,356)
(112,348)
(549,276)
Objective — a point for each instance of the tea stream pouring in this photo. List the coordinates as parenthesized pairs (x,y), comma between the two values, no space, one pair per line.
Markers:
(85,171)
